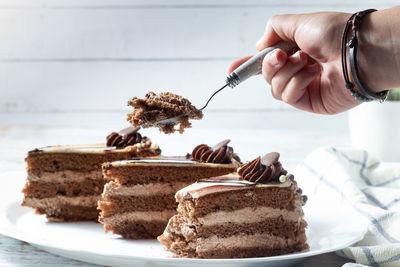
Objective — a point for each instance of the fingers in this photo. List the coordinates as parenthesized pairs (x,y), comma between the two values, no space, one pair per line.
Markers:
(297,85)
(289,77)
(279,27)
(279,76)
(272,63)
(235,64)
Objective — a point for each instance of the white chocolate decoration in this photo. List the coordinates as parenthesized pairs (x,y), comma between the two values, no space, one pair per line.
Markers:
(283,178)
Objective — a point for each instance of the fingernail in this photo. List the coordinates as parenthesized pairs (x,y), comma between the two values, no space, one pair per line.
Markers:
(273,58)
(295,58)
(313,68)
(259,44)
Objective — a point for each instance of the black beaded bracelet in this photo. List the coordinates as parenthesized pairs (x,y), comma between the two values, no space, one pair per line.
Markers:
(362,93)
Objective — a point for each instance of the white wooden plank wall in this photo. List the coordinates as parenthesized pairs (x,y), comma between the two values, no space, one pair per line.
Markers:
(68,55)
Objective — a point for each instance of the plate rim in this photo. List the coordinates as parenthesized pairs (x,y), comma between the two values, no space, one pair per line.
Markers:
(8,229)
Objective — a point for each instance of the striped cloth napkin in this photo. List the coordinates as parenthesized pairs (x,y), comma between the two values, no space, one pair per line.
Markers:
(372,189)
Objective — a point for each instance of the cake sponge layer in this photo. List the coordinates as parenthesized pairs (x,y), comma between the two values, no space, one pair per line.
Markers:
(64,195)
(70,189)
(148,186)
(277,226)
(238,198)
(145,172)
(138,225)
(234,246)
(224,217)
(114,205)
(62,179)
(65,208)
(78,160)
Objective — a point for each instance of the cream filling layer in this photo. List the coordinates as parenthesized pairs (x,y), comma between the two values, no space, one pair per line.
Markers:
(87,201)
(144,189)
(146,216)
(245,241)
(64,176)
(250,215)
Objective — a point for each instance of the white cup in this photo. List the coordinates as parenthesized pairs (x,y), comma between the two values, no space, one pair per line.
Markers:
(375,127)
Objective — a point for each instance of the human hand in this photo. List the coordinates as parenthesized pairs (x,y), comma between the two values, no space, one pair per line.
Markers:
(312,78)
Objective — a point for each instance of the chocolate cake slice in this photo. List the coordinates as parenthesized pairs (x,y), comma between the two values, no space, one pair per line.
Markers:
(151,109)
(253,213)
(139,199)
(65,182)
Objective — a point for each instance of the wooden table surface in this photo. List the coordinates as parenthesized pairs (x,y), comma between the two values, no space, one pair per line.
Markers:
(294,134)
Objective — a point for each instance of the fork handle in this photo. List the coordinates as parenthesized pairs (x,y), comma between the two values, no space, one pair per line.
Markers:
(253,66)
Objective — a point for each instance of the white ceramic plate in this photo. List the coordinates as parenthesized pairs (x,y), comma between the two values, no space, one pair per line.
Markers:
(332,226)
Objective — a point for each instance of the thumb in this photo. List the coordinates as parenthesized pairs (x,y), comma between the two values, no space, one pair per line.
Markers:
(279,27)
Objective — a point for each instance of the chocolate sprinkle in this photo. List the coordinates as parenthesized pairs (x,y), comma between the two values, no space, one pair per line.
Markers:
(305,198)
(299,191)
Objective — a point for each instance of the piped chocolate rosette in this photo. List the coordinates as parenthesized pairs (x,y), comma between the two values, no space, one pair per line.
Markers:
(220,153)
(268,169)
(264,169)
(130,137)
(126,137)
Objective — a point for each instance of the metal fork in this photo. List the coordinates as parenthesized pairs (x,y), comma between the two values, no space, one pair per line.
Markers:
(243,72)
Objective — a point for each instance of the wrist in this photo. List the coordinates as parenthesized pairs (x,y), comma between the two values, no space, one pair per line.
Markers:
(378,55)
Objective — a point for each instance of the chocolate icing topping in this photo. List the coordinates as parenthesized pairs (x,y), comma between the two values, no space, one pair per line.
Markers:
(220,153)
(126,137)
(263,170)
